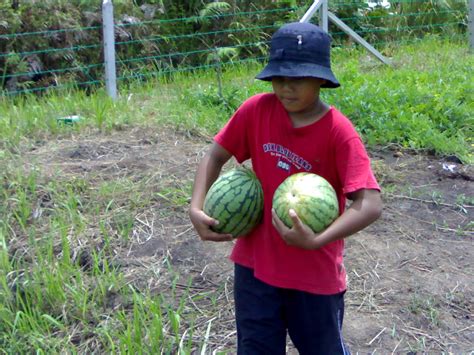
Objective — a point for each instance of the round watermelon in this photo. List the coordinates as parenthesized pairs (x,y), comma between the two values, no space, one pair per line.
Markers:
(235,199)
(311,196)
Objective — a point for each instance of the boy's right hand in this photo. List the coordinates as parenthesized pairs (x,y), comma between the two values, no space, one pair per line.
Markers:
(202,224)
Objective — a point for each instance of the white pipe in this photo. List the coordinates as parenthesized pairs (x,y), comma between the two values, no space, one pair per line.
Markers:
(109,48)
(324,21)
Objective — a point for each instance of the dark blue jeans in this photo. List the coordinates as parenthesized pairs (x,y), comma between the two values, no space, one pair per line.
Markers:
(264,315)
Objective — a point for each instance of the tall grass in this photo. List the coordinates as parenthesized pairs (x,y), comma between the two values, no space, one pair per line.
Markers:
(422,102)
(60,287)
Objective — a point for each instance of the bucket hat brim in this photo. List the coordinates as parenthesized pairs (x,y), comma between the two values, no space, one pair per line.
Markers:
(298,69)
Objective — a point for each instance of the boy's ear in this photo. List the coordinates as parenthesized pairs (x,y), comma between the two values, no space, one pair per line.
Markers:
(321,82)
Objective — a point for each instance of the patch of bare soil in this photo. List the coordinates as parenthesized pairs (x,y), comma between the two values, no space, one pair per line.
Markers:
(409,274)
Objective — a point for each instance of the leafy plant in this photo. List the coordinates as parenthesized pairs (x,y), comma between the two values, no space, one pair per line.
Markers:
(63,50)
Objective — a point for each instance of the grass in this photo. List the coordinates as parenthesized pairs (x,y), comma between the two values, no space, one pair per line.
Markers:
(423,102)
(60,284)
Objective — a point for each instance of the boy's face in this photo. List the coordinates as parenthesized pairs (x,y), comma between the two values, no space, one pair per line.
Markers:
(298,95)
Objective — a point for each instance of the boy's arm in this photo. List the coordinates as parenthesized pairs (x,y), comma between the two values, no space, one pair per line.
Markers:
(364,210)
(207,172)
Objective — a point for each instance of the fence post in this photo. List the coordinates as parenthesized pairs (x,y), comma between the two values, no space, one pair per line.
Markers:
(324,22)
(470,24)
(109,48)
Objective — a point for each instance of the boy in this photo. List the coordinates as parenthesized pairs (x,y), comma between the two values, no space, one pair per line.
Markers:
(291,280)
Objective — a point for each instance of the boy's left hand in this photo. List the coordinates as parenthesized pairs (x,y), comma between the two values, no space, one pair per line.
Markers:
(300,235)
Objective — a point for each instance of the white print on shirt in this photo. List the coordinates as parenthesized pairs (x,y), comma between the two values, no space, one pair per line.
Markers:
(282,152)
(283,165)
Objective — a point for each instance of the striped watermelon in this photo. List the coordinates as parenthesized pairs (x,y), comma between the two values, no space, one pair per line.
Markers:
(311,196)
(236,201)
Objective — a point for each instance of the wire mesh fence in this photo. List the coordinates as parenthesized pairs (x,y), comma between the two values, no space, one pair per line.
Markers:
(153,41)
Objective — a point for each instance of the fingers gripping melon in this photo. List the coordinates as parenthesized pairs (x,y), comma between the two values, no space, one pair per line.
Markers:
(311,196)
(236,201)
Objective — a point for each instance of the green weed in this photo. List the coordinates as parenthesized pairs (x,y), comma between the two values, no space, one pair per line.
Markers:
(427,307)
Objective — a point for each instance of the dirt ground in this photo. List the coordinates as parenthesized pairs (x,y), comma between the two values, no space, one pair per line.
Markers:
(409,274)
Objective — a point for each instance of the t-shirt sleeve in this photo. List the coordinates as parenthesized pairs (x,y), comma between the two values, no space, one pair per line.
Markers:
(234,135)
(354,169)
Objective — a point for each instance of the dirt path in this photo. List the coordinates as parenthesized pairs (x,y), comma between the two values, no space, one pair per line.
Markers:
(410,274)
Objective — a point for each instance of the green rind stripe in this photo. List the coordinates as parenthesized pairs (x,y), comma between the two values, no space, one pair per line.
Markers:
(249,210)
(246,210)
(315,216)
(236,200)
(254,218)
(219,190)
(315,211)
(227,200)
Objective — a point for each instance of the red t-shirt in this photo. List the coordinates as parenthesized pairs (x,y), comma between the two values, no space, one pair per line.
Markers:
(261,130)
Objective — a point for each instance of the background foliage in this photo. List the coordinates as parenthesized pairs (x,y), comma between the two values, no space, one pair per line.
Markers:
(58,43)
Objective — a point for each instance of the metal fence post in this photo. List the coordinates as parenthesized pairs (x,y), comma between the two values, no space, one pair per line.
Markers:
(109,48)
(470,23)
(324,21)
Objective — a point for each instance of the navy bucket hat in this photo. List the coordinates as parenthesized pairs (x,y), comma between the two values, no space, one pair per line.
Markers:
(300,49)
